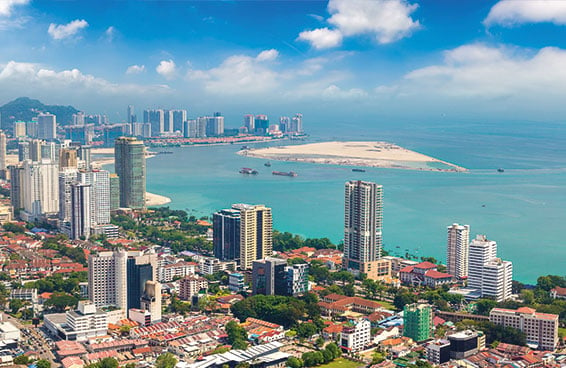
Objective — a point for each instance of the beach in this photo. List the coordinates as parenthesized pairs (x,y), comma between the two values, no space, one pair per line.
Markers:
(154,200)
(359,153)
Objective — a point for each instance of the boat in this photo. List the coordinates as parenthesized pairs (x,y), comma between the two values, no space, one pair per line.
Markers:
(267,164)
(358,170)
(247,170)
(245,148)
(500,170)
(164,153)
(283,173)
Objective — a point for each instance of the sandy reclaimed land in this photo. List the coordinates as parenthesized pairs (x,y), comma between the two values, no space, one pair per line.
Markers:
(368,154)
(153,200)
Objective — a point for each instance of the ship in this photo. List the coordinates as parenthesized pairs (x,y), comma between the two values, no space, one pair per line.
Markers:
(247,170)
(500,170)
(358,170)
(245,148)
(283,173)
(267,164)
(164,153)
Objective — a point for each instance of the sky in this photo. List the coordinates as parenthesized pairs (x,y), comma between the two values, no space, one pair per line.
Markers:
(335,59)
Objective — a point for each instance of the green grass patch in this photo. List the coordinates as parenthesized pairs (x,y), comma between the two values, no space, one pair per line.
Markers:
(387,305)
(341,363)
(562,330)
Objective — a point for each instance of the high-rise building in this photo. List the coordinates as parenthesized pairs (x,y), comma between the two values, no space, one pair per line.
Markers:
(32,129)
(46,126)
(190,129)
(79,119)
(40,189)
(261,124)
(130,167)
(191,285)
(67,159)
(84,153)
(201,125)
(131,114)
(35,150)
(297,279)
(269,276)
(490,275)
(179,118)
(226,234)
(80,211)
(285,124)
(66,178)
(249,123)
(458,249)
(356,335)
(151,300)
(214,125)
(114,192)
(19,129)
(107,279)
(3,162)
(363,218)
(141,268)
(297,124)
(156,118)
(167,121)
(16,194)
(100,194)
(417,322)
(23,151)
(256,233)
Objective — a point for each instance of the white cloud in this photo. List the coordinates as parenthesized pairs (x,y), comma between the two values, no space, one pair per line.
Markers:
(6,6)
(110,33)
(335,92)
(385,20)
(13,23)
(135,69)
(267,55)
(62,31)
(19,77)
(166,68)
(511,12)
(322,38)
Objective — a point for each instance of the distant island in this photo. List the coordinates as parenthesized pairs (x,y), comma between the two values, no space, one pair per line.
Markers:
(367,154)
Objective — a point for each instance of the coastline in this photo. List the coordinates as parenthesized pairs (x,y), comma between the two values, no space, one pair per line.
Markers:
(155,200)
(358,153)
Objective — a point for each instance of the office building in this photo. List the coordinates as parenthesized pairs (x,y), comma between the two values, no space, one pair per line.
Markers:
(191,285)
(130,167)
(114,192)
(490,275)
(297,279)
(16,193)
(80,211)
(156,119)
(249,123)
(141,268)
(269,276)
(438,352)
(68,159)
(107,279)
(82,324)
(236,282)
(46,126)
(19,129)
(356,335)
(40,190)
(226,234)
(179,118)
(417,321)
(35,153)
(463,344)
(261,124)
(541,328)
(151,300)
(256,233)
(363,218)
(131,114)
(66,178)
(23,151)
(458,249)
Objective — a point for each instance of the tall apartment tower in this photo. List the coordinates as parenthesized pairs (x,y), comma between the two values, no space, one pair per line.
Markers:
(46,126)
(68,158)
(107,279)
(19,129)
(226,234)
(40,189)
(114,192)
(458,249)
(179,118)
(363,221)
(16,178)
(3,163)
(66,179)
(490,275)
(256,233)
(249,123)
(131,114)
(100,194)
(80,210)
(130,167)
(156,118)
(167,121)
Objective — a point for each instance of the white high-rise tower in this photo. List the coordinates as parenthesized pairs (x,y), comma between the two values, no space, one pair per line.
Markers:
(458,248)
(107,279)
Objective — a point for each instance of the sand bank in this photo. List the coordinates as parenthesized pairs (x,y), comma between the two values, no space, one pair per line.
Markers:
(153,200)
(368,154)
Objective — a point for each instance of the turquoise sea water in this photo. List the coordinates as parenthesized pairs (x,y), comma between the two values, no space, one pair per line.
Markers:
(523,209)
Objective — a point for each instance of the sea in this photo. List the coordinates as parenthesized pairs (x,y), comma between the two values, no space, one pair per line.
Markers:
(522,208)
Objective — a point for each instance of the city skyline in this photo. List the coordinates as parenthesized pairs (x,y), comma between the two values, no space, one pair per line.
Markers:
(346,56)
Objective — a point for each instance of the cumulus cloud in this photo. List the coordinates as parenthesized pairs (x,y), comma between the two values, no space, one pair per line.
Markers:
(322,38)
(385,20)
(166,68)
(62,31)
(487,72)
(135,69)
(6,6)
(20,76)
(267,55)
(512,12)
(335,92)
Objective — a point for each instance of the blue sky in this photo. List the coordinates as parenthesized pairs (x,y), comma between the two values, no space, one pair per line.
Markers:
(398,59)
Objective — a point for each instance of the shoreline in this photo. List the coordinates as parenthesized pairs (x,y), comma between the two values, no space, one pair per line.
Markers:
(156,200)
(354,153)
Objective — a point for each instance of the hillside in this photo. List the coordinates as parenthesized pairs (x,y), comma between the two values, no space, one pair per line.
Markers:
(25,108)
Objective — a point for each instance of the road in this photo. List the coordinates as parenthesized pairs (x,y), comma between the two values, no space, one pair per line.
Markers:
(32,340)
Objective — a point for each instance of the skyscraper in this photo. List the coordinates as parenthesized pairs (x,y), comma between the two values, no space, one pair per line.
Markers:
(16,194)
(107,279)
(256,233)
(46,126)
(19,129)
(100,194)
(67,158)
(167,121)
(80,210)
(249,123)
(226,234)
(458,249)
(363,218)
(130,167)
(156,118)
(131,114)
(141,268)
(66,179)
(2,153)
(269,276)
(40,189)
(114,192)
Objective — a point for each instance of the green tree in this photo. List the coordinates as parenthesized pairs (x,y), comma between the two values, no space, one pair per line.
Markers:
(15,305)
(484,306)
(404,297)
(21,359)
(60,301)
(166,360)
(306,329)
(42,363)
(293,362)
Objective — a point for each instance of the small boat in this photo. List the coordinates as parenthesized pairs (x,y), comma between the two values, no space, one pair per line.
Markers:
(247,170)
(500,170)
(164,153)
(358,170)
(283,173)
(245,148)
(267,164)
